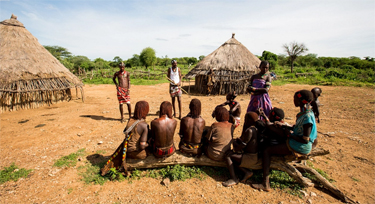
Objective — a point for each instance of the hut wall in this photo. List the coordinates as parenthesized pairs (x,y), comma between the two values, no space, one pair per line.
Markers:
(35,93)
(225,82)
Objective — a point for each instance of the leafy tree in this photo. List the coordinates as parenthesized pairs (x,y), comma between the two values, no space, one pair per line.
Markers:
(294,50)
(201,57)
(192,60)
(100,63)
(116,61)
(58,52)
(270,57)
(134,61)
(147,57)
(81,61)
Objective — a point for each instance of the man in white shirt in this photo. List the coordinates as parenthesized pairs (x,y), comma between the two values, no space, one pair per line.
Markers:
(174,73)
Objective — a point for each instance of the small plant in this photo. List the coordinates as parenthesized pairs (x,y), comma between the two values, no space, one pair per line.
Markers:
(70,190)
(178,172)
(70,160)
(91,174)
(13,173)
(355,179)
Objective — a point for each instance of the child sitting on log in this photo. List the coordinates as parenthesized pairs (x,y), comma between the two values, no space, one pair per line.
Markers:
(245,150)
(162,132)
(234,108)
(191,130)
(299,143)
(217,140)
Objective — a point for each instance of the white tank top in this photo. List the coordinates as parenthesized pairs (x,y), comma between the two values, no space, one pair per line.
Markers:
(175,75)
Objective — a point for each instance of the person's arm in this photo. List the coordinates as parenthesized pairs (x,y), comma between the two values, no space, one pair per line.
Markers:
(235,106)
(315,110)
(144,133)
(223,104)
(249,88)
(168,73)
(128,80)
(179,75)
(306,134)
(114,79)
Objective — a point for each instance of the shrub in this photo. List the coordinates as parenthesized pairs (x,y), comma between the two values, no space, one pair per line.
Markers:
(347,67)
(13,173)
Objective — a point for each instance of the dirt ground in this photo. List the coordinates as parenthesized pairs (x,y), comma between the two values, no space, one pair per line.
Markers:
(347,115)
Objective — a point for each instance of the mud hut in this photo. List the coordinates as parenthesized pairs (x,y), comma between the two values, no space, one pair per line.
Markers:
(29,75)
(233,65)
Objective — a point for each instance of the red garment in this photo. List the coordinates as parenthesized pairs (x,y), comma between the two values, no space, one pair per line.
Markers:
(122,95)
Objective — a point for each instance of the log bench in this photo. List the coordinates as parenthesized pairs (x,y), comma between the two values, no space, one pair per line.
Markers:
(293,168)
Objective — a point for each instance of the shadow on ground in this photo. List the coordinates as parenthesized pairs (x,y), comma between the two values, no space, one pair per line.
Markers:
(99,117)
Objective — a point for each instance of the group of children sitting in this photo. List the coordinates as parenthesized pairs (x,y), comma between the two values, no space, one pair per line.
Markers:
(262,135)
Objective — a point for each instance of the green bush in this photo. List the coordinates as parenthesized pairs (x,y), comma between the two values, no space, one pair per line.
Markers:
(347,67)
(13,173)
(69,160)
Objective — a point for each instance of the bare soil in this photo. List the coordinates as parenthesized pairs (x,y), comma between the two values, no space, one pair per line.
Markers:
(35,139)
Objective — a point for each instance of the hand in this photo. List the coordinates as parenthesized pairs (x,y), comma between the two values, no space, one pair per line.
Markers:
(260,111)
(128,92)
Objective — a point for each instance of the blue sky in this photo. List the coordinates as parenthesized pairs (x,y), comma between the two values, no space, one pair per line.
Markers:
(334,28)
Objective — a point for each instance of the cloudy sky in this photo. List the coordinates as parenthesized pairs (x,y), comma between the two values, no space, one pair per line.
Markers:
(179,28)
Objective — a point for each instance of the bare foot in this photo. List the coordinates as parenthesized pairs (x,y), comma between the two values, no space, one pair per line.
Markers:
(230,182)
(248,174)
(261,187)
(179,117)
(122,120)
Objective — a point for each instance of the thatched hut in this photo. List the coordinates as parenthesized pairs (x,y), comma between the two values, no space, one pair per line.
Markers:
(30,76)
(233,65)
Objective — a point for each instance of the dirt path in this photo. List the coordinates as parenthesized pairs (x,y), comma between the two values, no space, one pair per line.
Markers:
(35,139)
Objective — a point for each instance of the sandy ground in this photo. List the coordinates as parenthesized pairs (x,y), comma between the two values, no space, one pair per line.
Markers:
(347,115)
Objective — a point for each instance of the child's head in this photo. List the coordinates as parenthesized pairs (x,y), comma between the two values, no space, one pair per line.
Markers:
(221,114)
(231,96)
(166,109)
(276,114)
(195,108)
(316,92)
(141,110)
(303,97)
(250,119)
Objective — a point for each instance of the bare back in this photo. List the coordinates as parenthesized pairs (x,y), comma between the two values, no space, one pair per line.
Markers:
(162,130)
(191,129)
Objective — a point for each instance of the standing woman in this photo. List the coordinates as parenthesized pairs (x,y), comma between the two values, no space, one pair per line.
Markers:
(260,85)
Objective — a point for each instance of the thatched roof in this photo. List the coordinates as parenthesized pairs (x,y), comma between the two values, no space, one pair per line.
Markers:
(24,59)
(231,56)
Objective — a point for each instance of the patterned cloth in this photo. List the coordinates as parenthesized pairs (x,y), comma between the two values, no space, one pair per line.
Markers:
(122,95)
(261,100)
(303,118)
(164,151)
(175,91)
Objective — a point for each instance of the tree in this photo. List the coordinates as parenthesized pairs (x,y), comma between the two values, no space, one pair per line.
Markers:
(270,57)
(134,61)
(116,61)
(294,50)
(147,57)
(201,57)
(192,60)
(58,52)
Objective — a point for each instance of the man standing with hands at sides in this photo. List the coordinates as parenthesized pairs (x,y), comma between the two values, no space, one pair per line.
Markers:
(174,73)
(123,89)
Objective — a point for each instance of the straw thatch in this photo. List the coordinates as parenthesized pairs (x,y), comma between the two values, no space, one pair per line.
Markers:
(233,65)
(30,76)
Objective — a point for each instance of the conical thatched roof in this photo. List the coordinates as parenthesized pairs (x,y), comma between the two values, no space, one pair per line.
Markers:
(230,56)
(26,66)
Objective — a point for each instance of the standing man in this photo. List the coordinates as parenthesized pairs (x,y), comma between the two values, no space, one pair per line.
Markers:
(174,73)
(123,89)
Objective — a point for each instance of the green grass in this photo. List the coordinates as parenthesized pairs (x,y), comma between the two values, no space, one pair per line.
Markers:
(70,190)
(69,160)
(321,172)
(13,173)
(280,180)
(355,179)
(91,174)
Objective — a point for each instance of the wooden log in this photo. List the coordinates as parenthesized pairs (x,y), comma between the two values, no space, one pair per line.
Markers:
(325,183)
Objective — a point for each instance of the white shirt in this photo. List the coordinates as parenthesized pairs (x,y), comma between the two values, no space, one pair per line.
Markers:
(174,75)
